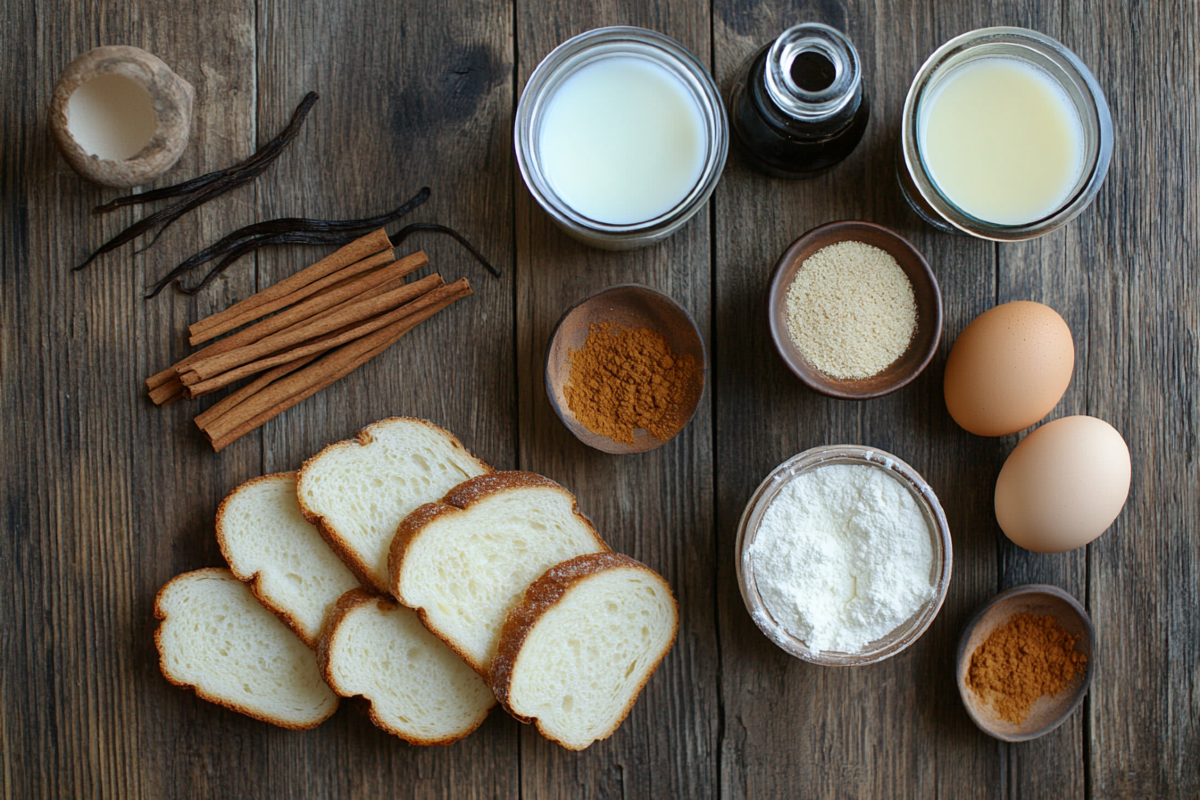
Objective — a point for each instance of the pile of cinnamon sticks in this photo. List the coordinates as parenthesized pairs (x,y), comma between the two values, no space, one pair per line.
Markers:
(331,317)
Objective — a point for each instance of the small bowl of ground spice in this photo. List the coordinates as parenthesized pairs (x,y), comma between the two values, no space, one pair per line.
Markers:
(625,369)
(854,309)
(1025,661)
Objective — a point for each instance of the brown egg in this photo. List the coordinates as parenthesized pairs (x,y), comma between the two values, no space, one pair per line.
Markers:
(1063,485)
(1009,368)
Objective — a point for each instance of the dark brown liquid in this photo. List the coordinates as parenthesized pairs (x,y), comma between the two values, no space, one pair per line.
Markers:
(781,145)
(812,71)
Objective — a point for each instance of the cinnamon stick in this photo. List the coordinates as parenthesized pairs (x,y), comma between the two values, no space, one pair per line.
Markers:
(167,392)
(199,335)
(213,366)
(346,334)
(173,390)
(301,312)
(357,250)
(229,437)
(286,392)
(218,409)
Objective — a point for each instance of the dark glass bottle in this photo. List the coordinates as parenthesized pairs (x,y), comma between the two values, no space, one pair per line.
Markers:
(800,106)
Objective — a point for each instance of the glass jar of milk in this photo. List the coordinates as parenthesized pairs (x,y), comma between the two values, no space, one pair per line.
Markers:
(1005,135)
(621,136)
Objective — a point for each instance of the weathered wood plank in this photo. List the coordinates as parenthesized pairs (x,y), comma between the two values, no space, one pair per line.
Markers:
(21,632)
(83,706)
(106,497)
(897,728)
(1140,251)
(411,95)
(1051,270)
(657,506)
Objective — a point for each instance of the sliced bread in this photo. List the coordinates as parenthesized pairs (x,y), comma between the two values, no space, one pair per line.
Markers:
(465,562)
(218,639)
(272,547)
(418,688)
(576,652)
(357,491)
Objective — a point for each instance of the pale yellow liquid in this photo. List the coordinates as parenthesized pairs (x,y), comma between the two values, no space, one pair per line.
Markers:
(1002,141)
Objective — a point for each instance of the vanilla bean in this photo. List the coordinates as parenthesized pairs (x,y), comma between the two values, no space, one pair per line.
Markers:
(247,247)
(236,241)
(432,227)
(204,188)
(244,249)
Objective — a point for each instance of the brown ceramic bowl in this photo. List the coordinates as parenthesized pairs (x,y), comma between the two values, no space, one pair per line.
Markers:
(925,290)
(628,305)
(1047,713)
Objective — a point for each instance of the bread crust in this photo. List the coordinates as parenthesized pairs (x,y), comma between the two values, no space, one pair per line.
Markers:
(161,614)
(542,596)
(251,578)
(346,604)
(336,541)
(456,501)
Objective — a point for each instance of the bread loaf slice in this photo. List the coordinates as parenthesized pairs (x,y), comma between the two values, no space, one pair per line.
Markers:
(575,654)
(418,688)
(357,491)
(272,547)
(216,638)
(464,562)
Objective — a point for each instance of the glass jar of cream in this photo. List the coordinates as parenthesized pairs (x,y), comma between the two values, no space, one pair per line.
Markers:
(621,136)
(1005,135)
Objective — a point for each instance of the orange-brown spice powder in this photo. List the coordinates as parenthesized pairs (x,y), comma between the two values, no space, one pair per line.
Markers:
(628,378)
(1020,661)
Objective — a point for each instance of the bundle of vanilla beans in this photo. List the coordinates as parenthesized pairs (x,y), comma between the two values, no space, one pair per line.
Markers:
(328,319)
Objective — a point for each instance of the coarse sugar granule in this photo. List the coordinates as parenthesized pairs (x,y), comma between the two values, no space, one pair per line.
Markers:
(851,310)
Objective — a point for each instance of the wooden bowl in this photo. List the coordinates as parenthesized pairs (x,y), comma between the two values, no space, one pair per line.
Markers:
(628,305)
(148,78)
(1047,713)
(925,291)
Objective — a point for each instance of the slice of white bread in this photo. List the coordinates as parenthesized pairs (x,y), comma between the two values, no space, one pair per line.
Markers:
(357,491)
(465,562)
(218,639)
(418,688)
(272,547)
(578,650)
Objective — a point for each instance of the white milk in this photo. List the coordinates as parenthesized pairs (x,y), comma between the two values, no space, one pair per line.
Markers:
(111,117)
(1002,141)
(622,141)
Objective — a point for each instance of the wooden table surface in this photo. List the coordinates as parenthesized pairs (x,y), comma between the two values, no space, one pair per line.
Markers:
(106,497)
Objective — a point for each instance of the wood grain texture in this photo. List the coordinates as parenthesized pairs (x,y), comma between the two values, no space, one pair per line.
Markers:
(1053,270)
(1141,255)
(656,506)
(411,95)
(82,710)
(105,497)
(894,729)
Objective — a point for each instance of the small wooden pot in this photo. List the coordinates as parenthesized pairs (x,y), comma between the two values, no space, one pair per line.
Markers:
(170,95)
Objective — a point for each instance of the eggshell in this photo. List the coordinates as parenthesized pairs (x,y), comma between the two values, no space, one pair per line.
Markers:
(1063,485)
(1009,368)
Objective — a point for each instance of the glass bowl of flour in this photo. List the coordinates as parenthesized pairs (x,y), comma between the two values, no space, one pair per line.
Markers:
(843,555)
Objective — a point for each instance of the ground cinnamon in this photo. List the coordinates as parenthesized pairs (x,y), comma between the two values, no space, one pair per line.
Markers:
(1020,661)
(628,378)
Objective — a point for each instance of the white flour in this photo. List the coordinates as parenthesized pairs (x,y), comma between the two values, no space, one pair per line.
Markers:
(843,556)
